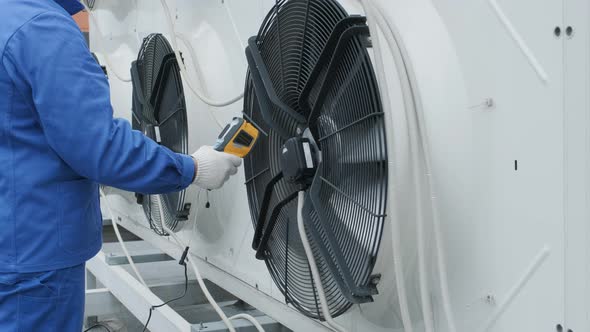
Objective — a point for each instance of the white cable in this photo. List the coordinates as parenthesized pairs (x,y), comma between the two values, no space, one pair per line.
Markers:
(212,301)
(440,251)
(191,52)
(392,35)
(426,304)
(183,71)
(233,23)
(121,242)
(201,282)
(313,267)
(102,38)
(249,318)
(396,241)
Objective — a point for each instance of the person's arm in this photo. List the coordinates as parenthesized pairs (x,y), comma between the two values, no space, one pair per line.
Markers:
(72,102)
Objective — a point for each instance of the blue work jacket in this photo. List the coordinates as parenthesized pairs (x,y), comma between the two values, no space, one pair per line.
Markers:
(58,140)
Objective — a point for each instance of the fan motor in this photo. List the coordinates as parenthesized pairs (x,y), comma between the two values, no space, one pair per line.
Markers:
(299,160)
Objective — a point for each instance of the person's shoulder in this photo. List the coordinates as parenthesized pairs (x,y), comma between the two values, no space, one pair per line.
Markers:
(28,20)
(17,13)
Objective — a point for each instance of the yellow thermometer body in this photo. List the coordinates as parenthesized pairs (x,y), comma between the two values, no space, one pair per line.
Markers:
(237,138)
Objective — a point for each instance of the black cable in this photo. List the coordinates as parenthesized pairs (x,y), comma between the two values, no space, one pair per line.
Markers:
(152,308)
(98,325)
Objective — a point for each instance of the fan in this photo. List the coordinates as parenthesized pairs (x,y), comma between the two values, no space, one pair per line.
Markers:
(104,68)
(312,92)
(90,3)
(159,111)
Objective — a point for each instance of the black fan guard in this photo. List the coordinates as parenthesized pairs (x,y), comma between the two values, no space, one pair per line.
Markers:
(311,78)
(159,111)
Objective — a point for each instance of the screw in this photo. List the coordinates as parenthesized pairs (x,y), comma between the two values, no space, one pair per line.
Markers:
(557,31)
(375,280)
(487,103)
(569,31)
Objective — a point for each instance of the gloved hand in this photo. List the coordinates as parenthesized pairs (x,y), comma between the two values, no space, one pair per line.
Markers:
(213,167)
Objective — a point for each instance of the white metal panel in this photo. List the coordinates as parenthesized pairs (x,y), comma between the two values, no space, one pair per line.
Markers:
(577,164)
(504,48)
(505,228)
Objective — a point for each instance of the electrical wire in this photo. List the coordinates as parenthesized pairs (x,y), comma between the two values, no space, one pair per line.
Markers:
(183,70)
(122,78)
(313,267)
(120,238)
(392,36)
(154,307)
(205,290)
(422,274)
(98,325)
(440,251)
(200,95)
(200,280)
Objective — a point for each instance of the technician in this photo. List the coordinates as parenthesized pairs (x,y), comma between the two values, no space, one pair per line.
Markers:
(58,141)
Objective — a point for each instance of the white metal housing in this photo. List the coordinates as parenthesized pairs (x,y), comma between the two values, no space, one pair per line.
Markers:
(505,109)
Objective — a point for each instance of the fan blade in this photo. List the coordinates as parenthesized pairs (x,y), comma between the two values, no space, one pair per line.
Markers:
(136,82)
(315,89)
(167,89)
(344,235)
(267,97)
(361,142)
(290,268)
(330,219)
(359,193)
(172,127)
(138,97)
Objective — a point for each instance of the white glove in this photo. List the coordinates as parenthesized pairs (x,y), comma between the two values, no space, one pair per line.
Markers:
(214,168)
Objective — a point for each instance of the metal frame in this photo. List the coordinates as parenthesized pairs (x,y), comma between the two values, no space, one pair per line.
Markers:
(134,296)
(137,299)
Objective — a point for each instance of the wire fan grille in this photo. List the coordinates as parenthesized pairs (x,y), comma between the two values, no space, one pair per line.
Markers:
(317,61)
(90,3)
(159,111)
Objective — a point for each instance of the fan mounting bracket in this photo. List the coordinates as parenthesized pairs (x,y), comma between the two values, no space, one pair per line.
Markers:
(346,30)
(268,99)
(183,214)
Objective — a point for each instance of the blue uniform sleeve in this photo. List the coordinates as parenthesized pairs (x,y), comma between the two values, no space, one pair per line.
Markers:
(71,97)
